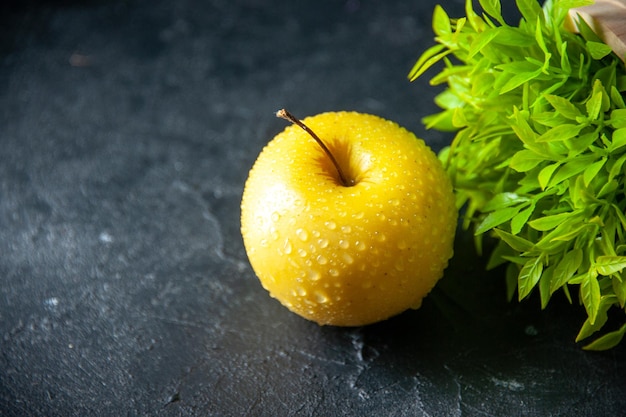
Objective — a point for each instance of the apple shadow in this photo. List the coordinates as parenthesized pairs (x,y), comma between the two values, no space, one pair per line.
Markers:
(468,315)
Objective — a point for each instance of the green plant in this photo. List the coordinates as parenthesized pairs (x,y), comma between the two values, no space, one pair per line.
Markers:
(538,158)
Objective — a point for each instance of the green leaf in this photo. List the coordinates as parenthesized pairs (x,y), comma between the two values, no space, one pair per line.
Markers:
(517,243)
(493,9)
(590,294)
(598,50)
(592,170)
(571,168)
(618,119)
(520,219)
(518,80)
(593,105)
(617,99)
(441,22)
(616,168)
(618,139)
(496,218)
(607,188)
(540,40)
(585,30)
(502,200)
(590,328)
(549,222)
(565,269)
(525,160)
(546,173)
(432,55)
(608,341)
(529,276)
(544,286)
(619,288)
(512,37)
(563,132)
(475,21)
(481,41)
(564,106)
(529,9)
(608,265)
(521,127)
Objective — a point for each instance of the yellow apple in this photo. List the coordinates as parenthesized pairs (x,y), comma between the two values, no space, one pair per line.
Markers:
(354,250)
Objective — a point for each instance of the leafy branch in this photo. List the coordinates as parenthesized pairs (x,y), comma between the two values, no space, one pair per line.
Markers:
(538,157)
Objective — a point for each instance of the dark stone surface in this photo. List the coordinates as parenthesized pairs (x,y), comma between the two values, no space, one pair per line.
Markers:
(127,131)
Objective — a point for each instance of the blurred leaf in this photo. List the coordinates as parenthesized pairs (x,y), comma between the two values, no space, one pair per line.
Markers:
(598,50)
(588,328)
(608,341)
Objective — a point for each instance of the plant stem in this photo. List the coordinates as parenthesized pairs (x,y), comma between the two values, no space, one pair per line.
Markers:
(284,114)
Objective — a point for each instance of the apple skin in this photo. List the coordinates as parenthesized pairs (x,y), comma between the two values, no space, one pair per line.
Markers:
(348,255)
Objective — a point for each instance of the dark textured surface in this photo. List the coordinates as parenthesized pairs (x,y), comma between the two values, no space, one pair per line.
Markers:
(127,129)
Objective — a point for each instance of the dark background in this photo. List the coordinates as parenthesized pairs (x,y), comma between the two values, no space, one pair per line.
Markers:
(127,129)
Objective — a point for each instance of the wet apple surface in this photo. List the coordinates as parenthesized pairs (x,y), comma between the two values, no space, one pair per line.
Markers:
(355,253)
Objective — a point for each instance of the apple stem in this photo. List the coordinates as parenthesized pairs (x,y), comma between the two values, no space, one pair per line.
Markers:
(284,114)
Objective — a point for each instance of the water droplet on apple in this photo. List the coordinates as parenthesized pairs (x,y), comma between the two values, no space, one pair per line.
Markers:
(301,291)
(360,246)
(344,244)
(346,229)
(287,247)
(402,245)
(331,225)
(302,234)
(358,215)
(275,216)
(321,298)
(394,202)
(381,237)
(400,265)
(314,275)
(348,258)
(303,253)
(264,243)
(333,272)
(323,243)
(322,260)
